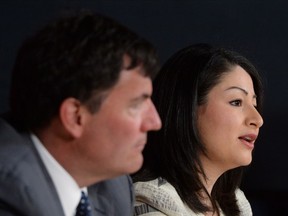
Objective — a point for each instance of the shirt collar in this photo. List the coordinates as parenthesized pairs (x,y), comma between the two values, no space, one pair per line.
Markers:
(66,187)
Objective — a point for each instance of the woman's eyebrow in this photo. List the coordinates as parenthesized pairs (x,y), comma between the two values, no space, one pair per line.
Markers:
(241,89)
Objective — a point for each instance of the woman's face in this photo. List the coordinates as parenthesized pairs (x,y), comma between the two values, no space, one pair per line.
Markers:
(229,122)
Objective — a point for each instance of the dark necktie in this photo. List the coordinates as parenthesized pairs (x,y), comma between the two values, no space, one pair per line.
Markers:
(83,208)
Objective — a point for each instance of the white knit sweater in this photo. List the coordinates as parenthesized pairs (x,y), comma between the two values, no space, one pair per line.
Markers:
(164,200)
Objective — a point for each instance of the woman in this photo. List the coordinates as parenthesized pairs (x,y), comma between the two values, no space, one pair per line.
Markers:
(206,98)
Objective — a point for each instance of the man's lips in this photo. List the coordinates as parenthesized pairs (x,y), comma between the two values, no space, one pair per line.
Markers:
(140,146)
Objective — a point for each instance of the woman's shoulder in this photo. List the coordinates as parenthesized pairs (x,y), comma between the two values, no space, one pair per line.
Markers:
(156,188)
(243,203)
(159,195)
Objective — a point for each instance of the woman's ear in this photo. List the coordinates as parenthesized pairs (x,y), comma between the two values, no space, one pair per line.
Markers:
(71,115)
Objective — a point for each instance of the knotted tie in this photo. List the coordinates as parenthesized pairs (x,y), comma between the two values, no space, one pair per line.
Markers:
(83,208)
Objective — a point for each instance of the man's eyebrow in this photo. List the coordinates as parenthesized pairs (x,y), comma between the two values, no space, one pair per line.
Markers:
(144,96)
(241,89)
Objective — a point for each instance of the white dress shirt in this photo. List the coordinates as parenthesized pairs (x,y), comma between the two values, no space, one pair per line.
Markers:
(67,188)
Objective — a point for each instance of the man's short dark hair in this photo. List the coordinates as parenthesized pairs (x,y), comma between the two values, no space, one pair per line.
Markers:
(79,56)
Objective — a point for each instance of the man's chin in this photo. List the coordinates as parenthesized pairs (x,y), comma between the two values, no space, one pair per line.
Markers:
(136,165)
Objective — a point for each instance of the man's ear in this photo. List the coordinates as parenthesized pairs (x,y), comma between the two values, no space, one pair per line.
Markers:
(71,115)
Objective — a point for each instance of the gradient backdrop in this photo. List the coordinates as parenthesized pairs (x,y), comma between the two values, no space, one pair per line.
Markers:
(257,29)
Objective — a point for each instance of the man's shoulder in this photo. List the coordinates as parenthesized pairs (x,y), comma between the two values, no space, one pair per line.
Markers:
(18,158)
(110,186)
(13,145)
(22,175)
(114,196)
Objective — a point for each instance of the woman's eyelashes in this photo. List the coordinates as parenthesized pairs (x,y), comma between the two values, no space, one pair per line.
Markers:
(237,102)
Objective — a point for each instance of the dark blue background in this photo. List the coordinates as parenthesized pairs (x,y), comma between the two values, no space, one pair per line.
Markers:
(256,29)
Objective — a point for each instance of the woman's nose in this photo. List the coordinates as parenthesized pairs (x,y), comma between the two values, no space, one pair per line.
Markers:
(255,118)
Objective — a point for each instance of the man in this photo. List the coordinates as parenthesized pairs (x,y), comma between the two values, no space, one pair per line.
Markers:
(80,113)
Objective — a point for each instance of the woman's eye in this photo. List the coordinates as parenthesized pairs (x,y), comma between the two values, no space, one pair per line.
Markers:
(236,103)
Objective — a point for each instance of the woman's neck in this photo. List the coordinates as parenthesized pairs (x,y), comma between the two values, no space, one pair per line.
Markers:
(212,173)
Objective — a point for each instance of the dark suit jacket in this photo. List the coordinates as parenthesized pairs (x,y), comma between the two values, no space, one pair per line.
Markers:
(27,189)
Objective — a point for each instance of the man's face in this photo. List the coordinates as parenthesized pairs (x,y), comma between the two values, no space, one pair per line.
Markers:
(115,136)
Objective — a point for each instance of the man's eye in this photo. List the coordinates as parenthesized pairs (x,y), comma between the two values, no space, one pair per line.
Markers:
(136,105)
(236,102)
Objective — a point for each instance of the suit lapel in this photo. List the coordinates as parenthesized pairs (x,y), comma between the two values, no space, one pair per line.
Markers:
(100,204)
(43,185)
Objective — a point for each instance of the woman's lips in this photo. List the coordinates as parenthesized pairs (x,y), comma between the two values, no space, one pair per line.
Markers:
(248,140)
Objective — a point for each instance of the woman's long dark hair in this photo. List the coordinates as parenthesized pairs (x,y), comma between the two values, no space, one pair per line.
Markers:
(173,152)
